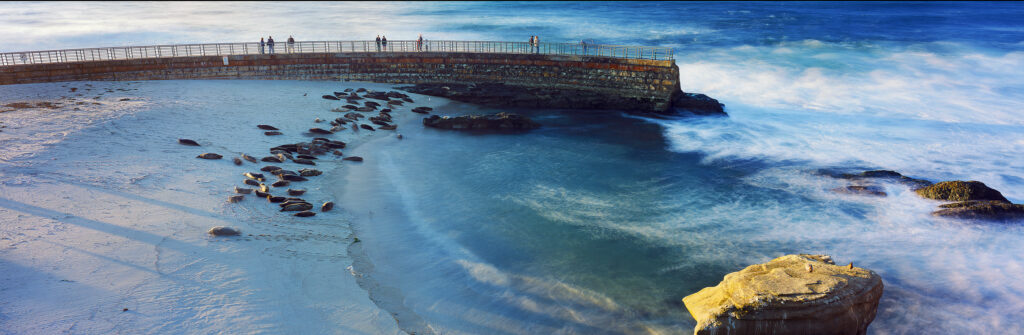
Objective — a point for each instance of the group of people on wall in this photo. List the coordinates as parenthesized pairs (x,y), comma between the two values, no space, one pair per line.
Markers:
(382,44)
(269,43)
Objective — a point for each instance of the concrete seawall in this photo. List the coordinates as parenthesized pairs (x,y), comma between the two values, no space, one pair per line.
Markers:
(598,82)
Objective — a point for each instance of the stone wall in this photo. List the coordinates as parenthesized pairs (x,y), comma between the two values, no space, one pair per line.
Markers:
(649,85)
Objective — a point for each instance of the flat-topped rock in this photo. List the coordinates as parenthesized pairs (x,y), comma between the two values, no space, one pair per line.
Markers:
(793,294)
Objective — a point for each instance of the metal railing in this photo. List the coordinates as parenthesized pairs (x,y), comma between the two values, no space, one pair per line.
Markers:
(251,48)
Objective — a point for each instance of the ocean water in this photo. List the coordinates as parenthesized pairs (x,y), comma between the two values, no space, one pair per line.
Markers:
(600,222)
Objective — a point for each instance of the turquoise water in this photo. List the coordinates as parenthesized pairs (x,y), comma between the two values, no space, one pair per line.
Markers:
(600,222)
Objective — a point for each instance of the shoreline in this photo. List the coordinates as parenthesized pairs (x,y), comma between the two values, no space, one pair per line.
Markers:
(154,205)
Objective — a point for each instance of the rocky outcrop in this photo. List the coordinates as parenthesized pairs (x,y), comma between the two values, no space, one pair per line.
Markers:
(872,190)
(698,104)
(982,210)
(973,200)
(793,294)
(502,95)
(499,121)
(958,190)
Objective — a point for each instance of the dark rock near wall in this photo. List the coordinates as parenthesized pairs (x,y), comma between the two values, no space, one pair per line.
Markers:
(698,104)
(499,121)
(503,95)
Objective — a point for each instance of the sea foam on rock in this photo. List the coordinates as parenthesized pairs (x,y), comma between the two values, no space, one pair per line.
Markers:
(792,294)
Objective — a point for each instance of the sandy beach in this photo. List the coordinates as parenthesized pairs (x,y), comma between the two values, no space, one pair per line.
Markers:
(104,216)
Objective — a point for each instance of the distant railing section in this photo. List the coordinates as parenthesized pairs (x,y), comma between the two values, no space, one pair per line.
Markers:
(253,48)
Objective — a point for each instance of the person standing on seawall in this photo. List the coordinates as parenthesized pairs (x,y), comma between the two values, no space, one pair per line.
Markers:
(262,45)
(419,43)
(536,40)
(531,43)
(291,44)
(384,42)
(270,44)
(378,43)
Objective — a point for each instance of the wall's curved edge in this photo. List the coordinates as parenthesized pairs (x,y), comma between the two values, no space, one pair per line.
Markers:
(622,83)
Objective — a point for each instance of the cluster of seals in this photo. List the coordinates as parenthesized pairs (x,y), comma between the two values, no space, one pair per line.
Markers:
(307,153)
(382,119)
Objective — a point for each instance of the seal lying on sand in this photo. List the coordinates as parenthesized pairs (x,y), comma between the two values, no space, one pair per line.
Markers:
(327,206)
(186,141)
(310,172)
(209,156)
(249,158)
(267,127)
(296,192)
(296,207)
(303,214)
(224,231)
(256,176)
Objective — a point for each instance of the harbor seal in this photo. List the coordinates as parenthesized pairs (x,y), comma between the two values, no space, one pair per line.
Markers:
(272,159)
(235,198)
(209,155)
(240,190)
(309,172)
(251,182)
(237,161)
(250,158)
(297,207)
(186,141)
(289,177)
(256,176)
(353,158)
(303,214)
(224,231)
(327,206)
(280,183)
(267,127)
(295,192)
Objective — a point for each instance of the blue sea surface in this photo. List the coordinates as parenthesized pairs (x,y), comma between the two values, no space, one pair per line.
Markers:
(601,222)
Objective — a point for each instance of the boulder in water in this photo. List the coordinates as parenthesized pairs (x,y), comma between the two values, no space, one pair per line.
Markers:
(871,190)
(793,294)
(982,210)
(499,121)
(958,190)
